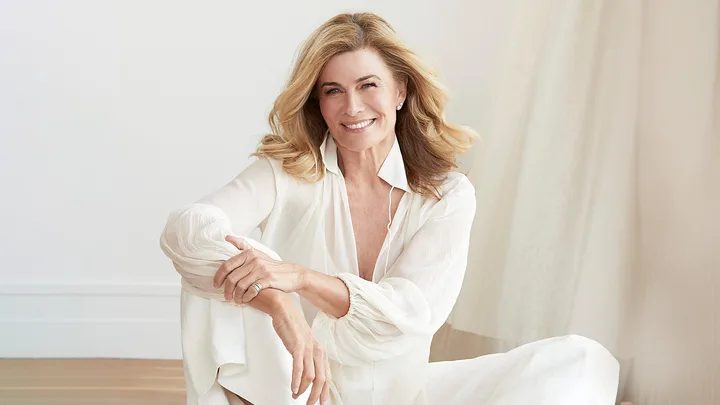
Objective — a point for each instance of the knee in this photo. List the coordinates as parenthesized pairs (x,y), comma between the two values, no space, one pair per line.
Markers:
(595,354)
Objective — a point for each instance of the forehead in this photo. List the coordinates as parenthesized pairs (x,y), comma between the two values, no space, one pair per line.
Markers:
(347,67)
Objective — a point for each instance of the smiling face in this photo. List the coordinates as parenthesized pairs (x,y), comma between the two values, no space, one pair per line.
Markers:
(359,98)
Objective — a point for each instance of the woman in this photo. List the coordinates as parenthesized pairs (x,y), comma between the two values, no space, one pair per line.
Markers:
(365,233)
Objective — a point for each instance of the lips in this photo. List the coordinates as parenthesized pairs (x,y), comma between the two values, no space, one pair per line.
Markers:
(359,124)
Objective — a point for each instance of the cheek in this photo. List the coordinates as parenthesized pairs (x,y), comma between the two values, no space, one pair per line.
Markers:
(383,105)
(329,109)
(385,108)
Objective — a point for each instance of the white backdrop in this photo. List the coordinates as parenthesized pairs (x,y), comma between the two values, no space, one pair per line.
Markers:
(113,113)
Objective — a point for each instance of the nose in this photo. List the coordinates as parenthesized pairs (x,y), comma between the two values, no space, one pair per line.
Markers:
(354,104)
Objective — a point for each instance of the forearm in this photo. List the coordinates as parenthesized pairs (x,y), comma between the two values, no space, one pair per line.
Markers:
(328,294)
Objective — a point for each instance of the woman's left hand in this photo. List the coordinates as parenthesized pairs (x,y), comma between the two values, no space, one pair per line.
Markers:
(239,273)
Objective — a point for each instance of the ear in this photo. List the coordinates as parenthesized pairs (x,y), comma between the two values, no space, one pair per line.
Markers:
(402,89)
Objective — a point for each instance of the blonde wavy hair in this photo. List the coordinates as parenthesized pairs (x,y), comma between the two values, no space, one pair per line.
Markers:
(429,144)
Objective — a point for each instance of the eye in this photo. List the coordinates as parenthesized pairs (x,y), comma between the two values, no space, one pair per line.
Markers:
(368,85)
(332,91)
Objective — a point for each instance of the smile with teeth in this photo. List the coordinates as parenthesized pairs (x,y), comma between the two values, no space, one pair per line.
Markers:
(359,125)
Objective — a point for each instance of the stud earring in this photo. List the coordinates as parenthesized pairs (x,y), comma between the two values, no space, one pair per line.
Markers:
(399,106)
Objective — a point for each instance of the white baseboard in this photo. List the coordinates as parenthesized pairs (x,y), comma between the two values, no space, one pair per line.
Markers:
(115,320)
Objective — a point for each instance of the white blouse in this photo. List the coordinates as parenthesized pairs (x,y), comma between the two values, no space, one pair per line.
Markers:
(379,350)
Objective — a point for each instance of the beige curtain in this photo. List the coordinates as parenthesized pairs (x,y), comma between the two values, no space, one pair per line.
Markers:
(598,186)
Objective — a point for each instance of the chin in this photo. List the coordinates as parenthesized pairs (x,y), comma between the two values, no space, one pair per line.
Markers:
(359,142)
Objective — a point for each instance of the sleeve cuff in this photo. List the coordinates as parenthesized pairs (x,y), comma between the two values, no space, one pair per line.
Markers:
(354,294)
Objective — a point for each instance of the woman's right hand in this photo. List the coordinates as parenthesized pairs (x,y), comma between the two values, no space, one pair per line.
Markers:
(310,362)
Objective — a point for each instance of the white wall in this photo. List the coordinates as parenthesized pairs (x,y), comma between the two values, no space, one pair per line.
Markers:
(113,113)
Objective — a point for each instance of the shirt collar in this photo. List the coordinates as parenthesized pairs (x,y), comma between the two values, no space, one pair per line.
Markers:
(392,169)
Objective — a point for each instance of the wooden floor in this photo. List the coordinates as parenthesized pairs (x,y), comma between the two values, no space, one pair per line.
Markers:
(91,382)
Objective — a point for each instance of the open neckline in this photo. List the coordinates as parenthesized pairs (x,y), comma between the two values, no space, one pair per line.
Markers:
(384,248)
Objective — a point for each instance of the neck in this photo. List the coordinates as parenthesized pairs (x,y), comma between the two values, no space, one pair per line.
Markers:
(362,167)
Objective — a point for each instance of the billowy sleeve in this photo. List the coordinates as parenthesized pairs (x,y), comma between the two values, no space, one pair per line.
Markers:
(248,199)
(414,299)
(222,340)
(194,235)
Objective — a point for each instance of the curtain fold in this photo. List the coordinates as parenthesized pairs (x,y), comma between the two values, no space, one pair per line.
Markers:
(598,193)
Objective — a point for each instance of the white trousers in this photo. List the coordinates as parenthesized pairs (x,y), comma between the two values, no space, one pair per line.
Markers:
(567,370)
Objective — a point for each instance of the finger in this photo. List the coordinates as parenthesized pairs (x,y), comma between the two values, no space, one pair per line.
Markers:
(229,266)
(329,371)
(297,371)
(236,283)
(238,242)
(325,395)
(238,293)
(319,381)
(251,292)
(308,372)
(229,288)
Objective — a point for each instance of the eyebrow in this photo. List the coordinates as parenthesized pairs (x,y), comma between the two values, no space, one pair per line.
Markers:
(356,81)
